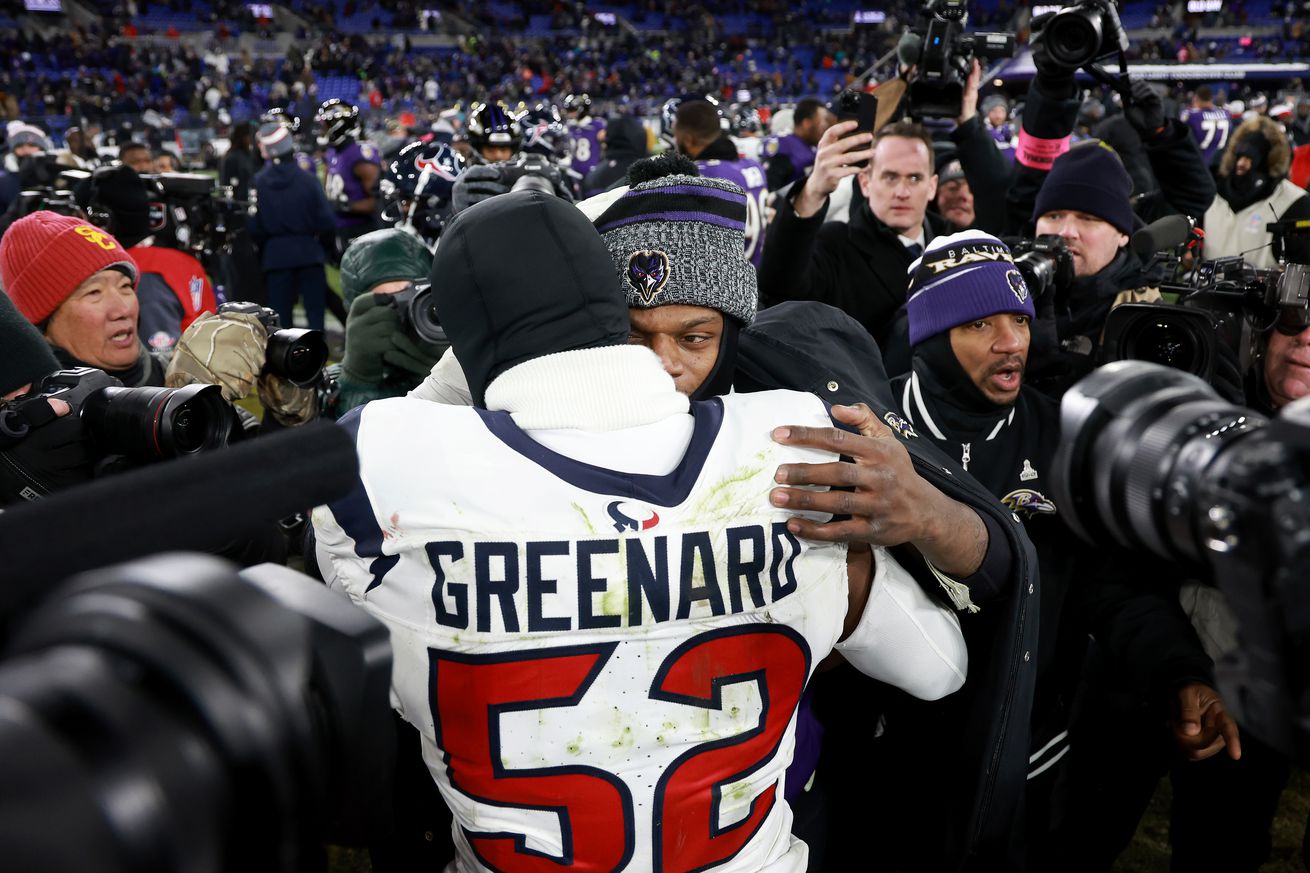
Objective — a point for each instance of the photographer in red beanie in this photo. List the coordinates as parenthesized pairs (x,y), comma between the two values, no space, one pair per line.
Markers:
(77,284)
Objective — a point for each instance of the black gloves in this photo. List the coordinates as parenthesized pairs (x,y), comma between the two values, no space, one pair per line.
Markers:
(476,184)
(1145,110)
(1055,80)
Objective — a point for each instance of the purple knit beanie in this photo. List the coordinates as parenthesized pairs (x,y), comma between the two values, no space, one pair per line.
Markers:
(961,278)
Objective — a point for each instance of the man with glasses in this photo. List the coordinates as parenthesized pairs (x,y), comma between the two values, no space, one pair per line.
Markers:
(858,266)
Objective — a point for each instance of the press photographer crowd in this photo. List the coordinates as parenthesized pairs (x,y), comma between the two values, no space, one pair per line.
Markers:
(638,467)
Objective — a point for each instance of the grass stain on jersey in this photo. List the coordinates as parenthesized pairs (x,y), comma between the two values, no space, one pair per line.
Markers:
(615,601)
(728,497)
(586,520)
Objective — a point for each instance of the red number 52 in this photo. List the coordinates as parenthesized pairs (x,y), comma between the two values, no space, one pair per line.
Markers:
(595,809)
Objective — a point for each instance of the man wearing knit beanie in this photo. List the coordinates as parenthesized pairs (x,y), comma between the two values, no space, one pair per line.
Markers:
(78,285)
(1085,200)
(674,241)
(969,315)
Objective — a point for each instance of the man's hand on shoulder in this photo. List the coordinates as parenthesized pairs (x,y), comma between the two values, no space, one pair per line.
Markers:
(887,501)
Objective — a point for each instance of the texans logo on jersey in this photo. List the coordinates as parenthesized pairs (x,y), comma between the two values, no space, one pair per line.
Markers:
(1017,285)
(623,520)
(648,273)
(1028,501)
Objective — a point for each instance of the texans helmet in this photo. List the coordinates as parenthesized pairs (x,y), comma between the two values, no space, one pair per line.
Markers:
(577,106)
(416,186)
(338,123)
(492,124)
(545,133)
(746,120)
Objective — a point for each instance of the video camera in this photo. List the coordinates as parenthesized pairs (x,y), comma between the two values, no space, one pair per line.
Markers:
(141,424)
(1151,459)
(1227,304)
(946,56)
(189,212)
(295,354)
(416,304)
(1077,35)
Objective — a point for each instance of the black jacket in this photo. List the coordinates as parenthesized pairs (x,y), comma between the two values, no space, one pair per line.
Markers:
(988,172)
(1124,601)
(292,218)
(857,266)
(959,799)
(625,144)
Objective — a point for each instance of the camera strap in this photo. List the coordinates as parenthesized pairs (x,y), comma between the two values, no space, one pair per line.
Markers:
(19,417)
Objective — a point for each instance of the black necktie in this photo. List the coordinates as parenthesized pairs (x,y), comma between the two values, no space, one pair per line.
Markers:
(914,250)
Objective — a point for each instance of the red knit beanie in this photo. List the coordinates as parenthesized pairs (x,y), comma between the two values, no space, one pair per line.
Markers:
(45,256)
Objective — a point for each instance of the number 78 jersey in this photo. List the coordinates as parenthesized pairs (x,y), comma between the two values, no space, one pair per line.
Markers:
(749,175)
(604,667)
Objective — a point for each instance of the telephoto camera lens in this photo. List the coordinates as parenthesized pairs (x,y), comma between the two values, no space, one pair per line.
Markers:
(296,355)
(1138,447)
(423,315)
(1073,35)
(149,424)
(173,715)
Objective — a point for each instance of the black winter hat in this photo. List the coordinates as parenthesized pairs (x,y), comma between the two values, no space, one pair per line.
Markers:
(1254,146)
(520,276)
(1089,178)
(25,356)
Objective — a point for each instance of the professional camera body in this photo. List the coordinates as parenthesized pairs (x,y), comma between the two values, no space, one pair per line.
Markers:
(946,57)
(532,172)
(1152,460)
(416,305)
(1226,304)
(1077,35)
(141,424)
(174,714)
(1045,264)
(294,354)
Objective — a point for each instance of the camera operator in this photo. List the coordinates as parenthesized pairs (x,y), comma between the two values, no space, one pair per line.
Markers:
(138,156)
(969,326)
(983,174)
(1253,191)
(290,227)
(857,266)
(382,358)
(77,284)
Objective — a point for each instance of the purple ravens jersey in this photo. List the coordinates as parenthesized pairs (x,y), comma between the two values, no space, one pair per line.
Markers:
(793,148)
(1005,136)
(307,163)
(1210,128)
(341,178)
(586,145)
(748,175)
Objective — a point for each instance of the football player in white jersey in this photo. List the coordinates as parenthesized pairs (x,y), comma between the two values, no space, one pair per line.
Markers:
(601,625)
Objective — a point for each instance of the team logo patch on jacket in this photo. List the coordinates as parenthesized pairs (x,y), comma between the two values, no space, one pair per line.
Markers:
(1028,501)
(648,273)
(631,516)
(900,425)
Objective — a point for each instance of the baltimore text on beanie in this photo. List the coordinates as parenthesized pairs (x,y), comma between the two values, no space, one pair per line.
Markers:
(961,278)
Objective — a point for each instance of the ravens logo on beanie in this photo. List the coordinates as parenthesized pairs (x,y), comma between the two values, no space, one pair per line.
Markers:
(961,278)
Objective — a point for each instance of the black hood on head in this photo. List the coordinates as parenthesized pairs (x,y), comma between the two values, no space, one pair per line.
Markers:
(520,276)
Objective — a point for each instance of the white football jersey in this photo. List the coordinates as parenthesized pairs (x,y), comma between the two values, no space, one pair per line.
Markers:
(604,666)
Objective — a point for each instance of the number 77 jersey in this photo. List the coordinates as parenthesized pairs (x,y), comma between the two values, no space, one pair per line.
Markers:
(605,667)
(748,175)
